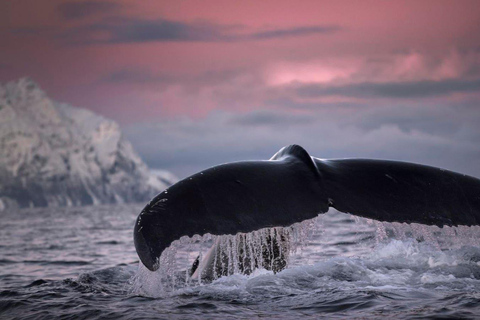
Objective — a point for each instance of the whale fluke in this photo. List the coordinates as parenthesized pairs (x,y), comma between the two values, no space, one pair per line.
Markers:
(291,187)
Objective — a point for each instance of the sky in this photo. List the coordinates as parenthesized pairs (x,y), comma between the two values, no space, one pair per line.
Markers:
(198,83)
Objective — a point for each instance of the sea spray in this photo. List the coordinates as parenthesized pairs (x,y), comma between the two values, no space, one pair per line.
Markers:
(441,238)
(268,248)
(244,253)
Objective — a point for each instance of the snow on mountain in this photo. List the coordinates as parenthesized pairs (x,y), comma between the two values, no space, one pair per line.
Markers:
(54,154)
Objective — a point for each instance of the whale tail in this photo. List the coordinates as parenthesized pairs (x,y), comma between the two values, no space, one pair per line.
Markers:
(292,187)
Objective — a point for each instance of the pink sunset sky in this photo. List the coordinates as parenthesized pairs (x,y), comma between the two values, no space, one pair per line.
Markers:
(198,83)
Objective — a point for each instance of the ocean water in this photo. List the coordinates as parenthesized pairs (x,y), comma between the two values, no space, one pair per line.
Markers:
(80,263)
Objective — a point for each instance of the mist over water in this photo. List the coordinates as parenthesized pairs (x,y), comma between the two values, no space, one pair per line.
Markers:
(81,263)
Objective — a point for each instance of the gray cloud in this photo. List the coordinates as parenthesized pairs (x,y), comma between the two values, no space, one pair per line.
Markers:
(440,121)
(120,29)
(124,30)
(442,136)
(269,118)
(78,10)
(132,30)
(116,29)
(289,103)
(415,89)
(293,32)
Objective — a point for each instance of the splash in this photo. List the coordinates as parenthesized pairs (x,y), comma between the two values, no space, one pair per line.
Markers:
(445,238)
(217,256)
(304,244)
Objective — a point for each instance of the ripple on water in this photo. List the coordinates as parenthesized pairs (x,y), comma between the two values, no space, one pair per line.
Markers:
(340,267)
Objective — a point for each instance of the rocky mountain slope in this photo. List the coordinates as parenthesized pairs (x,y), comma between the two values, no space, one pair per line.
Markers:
(53,154)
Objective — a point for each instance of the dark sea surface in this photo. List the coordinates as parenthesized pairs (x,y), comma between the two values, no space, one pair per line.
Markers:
(80,263)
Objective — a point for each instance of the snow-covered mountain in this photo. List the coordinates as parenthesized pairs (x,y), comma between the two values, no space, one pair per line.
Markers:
(53,154)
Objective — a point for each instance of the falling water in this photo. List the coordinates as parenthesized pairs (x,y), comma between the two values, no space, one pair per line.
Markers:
(240,253)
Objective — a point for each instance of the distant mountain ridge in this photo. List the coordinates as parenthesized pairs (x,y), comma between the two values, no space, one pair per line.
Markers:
(53,154)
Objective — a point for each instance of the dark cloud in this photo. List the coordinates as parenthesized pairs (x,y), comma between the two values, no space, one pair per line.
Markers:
(115,29)
(414,89)
(293,32)
(269,118)
(289,103)
(430,120)
(439,135)
(132,30)
(78,10)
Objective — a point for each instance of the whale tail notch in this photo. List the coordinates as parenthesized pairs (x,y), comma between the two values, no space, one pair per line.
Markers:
(231,198)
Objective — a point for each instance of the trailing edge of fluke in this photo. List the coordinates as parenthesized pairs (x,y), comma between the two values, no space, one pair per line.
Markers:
(292,187)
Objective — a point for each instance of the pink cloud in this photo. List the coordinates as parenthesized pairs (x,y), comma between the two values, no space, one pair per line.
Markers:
(377,42)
